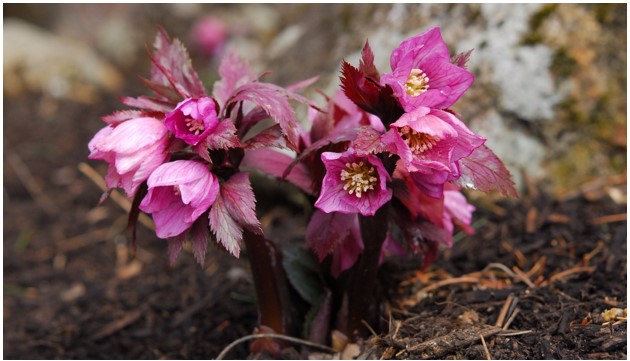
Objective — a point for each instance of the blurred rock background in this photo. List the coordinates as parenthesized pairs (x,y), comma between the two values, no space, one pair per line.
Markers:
(550,90)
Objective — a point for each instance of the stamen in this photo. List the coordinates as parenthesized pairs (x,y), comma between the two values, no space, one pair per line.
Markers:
(195,126)
(417,83)
(176,190)
(418,142)
(359,178)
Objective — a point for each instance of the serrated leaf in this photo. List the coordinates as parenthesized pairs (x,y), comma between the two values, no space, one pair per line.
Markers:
(275,163)
(240,202)
(368,141)
(366,64)
(172,67)
(369,95)
(484,171)
(461,59)
(275,102)
(174,248)
(120,116)
(143,102)
(199,241)
(326,230)
(303,273)
(234,73)
(224,227)
(223,137)
(269,137)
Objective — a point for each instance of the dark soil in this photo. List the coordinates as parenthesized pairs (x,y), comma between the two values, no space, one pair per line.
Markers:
(72,289)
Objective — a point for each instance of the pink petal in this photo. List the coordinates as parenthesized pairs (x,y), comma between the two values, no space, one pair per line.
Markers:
(427,44)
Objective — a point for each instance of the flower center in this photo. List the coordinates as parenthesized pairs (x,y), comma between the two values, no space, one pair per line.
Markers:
(358,178)
(417,83)
(418,142)
(195,126)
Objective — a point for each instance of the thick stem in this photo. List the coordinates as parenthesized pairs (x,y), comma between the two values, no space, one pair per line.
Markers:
(363,281)
(272,289)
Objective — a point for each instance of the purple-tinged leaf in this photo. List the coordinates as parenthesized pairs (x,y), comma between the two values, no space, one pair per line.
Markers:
(326,230)
(368,141)
(275,163)
(240,202)
(223,137)
(270,137)
(366,64)
(461,59)
(172,67)
(344,135)
(174,248)
(302,84)
(484,171)
(199,241)
(224,227)
(163,92)
(120,116)
(369,95)
(234,73)
(143,102)
(274,100)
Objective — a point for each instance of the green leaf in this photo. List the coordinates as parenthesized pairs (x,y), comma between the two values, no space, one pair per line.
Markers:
(302,271)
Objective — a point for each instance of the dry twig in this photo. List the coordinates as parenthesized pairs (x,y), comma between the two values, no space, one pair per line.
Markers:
(229,347)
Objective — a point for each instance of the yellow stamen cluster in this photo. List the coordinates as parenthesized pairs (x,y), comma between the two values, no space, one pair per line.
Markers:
(195,126)
(358,178)
(418,142)
(417,83)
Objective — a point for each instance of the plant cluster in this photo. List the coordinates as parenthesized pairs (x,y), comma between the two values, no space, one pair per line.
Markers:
(383,162)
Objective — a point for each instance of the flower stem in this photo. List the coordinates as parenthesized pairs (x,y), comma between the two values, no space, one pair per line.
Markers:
(361,290)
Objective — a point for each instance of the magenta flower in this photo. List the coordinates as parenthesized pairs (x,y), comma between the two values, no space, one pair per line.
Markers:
(353,184)
(133,148)
(422,74)
(457,212)
(430,143)
(193,119)
(179,192)
(210,34)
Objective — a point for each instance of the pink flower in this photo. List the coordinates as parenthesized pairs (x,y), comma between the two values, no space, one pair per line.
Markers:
(422,74)
(134,149)
(430,143)
(457,212)
(209,33)
(179,192)
(193,119)
(353,184)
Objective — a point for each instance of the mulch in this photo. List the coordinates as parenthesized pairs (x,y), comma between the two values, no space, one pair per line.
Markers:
(540,279)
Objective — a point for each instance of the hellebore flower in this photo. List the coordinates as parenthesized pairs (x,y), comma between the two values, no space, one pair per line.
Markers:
(134,149)
(353,184)
(179,192)
(193,119)
(210,34)
(430,143)
(457,211)
(348,251)
(422,74)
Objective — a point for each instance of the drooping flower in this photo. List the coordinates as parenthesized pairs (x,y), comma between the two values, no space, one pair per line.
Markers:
(193,119)
(422,74)
(179,192)
(353,183)
(430,143)
(457,211)
(348,250)
(133,148)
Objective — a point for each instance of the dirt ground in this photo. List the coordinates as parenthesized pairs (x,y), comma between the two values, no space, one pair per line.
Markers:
(532,283)
(71,289)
